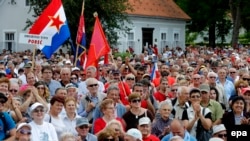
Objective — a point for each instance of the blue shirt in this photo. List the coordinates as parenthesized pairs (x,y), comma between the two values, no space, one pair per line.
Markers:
(228,88)
(187,137)
(10,124)
(53,85)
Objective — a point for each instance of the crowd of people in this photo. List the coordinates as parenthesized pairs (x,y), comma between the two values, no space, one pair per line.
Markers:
(196,94)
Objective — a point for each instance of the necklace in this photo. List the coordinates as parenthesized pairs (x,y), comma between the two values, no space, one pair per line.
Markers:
(136,115)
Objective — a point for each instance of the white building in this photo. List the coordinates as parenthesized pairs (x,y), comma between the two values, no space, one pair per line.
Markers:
(13,15)
(159,22)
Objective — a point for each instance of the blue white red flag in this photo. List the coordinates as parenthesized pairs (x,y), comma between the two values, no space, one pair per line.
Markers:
(154,70)
(52,22)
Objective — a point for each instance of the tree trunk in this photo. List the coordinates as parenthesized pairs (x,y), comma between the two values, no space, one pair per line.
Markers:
(212,35)
(235,11)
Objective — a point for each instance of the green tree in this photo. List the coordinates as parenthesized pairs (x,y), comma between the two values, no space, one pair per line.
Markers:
(206,14)
(112,14)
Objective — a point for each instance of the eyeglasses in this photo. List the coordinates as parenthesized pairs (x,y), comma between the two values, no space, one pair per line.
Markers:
(174,90)
(189,71)
(109,140)
(130,78)
(246,79)
(40,88)
(196,78)
(222,135)
(82,74)
(73,78)
(232,72)
(2,101)
(139,73)
(92,85)
(13,90)
(212,77)
(136,100)
(25,132)
(84,127)
(203,92)
(195,96)
(39,110)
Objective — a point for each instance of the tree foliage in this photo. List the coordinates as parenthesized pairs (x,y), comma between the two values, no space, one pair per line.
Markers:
(207,14)
(111,13)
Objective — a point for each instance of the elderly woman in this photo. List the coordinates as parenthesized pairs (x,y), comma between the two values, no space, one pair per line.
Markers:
(108,109)
(130,80)
(161,125)
(53,116)
(196,116)
(116,126)
(41,130)
(69,119)
(43,90)
(239,85)
(135,112)
(237,116)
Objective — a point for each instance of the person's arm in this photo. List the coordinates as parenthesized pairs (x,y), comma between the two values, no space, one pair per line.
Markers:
(206,122)
(39,99)
(12,135)
(130,66)
(26,103)
(191,124)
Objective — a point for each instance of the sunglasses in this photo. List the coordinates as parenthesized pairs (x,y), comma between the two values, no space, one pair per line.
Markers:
(136,100)
(13,90)
(25,132)
(39,110)
(195,96)
(40,88)
(83,127)
(222,135)
(174,90)
(212,77)
(130,78)
(109,140)
(92,85)
(246,79)
(73,78)
(82,74)
(232,72)
(189,71)
(2,101)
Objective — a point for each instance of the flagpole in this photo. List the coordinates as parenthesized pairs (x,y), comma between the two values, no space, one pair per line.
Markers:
(77,44)
(33,60)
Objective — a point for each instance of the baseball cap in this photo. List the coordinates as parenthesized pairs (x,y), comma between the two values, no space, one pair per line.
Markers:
(75,69)
(215,139)
(204,87)
(218,128)
(35,105)
(115,71)
(144,120)
(135,133)
(3,97)
(244,90)
(82,121)
(27,65)
(20,125)
(67,62)
(70,85)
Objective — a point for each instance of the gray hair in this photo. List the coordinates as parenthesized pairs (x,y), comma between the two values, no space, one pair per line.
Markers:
(180,89)
(65,69)
(166,103)
(89,80)
(92,68)
(212,73)
(113,87)
(176,138)
(66,135)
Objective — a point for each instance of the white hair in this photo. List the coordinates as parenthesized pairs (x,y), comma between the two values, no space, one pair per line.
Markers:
(176,138)
(164,103)
(212,73)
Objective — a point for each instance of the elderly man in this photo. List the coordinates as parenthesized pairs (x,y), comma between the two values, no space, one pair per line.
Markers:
(196,81)
(133,135)
(65,76)
(90,73)
(14,88)
(177,128)
(23,132)
(181,102)
(220,131)
(27,69)
(145,127)
(89,101)
(82,128)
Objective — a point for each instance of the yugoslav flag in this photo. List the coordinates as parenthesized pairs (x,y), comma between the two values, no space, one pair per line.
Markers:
(154,70)
(52,22)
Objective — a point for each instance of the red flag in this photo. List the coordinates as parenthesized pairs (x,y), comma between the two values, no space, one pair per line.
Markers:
(98,46)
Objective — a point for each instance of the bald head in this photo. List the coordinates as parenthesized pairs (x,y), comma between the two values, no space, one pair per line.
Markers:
(177,128)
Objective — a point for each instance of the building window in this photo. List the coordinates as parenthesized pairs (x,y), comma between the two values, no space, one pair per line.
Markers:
(163,36)
(9,40)
(27,2)
(131,38)
(176,39)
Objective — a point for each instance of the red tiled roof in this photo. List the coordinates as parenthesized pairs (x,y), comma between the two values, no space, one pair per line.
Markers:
(157,8)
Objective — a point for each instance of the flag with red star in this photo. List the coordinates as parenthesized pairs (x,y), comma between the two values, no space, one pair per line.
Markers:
(52,22)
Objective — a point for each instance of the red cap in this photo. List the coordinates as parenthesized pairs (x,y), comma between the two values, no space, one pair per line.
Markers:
(248,60)
(244,90)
